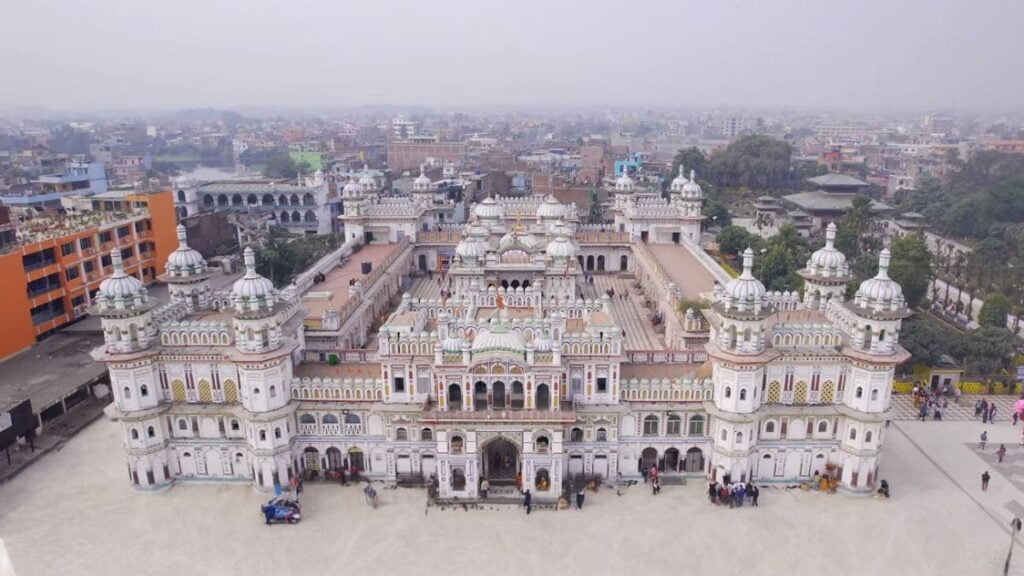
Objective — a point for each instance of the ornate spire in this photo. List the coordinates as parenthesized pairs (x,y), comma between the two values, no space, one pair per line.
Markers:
(115,257)
(883,265)
(250,262)
(748,263)
(182,238)
(830,235)
(693,175)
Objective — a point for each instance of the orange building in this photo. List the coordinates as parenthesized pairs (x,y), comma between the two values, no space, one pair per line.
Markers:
(50,274)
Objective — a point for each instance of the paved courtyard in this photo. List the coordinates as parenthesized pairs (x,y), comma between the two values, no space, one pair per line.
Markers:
(73,513)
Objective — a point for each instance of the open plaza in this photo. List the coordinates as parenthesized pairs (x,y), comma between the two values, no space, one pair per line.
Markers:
(73,513)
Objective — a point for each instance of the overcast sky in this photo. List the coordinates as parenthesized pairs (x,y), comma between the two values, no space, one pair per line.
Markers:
(862,54)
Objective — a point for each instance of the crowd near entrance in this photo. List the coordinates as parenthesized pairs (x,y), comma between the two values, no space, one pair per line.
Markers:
(501,462)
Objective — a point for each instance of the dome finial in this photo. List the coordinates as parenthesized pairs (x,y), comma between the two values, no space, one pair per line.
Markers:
(250,261)
(883,264)
(830,235)
(118,262)
(182,238)
(693,175)
(682,170)
(748,263)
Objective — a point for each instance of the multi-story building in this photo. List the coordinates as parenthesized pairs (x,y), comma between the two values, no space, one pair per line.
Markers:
(521,352)
(304,207)
(410,155)
(78,179)
(53,269)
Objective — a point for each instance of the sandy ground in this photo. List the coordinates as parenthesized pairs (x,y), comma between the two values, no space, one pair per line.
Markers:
(73,513)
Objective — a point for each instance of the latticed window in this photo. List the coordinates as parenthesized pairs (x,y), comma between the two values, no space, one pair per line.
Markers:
(651,425)
(800,397)
(774,392)
(828,393)
(696,427)
(675,425)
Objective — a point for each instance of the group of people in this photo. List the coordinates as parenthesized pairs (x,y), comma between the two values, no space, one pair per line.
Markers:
(929,404)
(986,410)
(825,483)
(733,494)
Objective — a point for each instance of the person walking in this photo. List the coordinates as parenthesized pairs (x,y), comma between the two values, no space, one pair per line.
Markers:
(580,496)
(984,439)
(754,493)
(992,414)
(655,487)
(484,487)
(984,481)
(713,491)
(528,502)
(984,411)
(1001,452)
(977,408)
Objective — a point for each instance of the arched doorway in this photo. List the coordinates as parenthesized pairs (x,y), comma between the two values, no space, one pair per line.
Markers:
(648,458)
(600,263)
(356,462)
(498,393)
(188,464)
(671,460)
(590,263)
(334,459)
(543,397)
(694,460)
(500,461)
(312,458)
(454,397)
(766,467)
(623,263)
(480,395)
(458,479)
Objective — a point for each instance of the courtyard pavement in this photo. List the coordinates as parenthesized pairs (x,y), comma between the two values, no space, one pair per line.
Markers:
(74,513)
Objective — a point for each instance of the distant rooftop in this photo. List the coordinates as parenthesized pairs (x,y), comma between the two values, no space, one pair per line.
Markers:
(837,181)
(821,201)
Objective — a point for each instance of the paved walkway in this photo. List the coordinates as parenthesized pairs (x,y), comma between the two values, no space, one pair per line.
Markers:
(630,313)
(903,408)
(425,287)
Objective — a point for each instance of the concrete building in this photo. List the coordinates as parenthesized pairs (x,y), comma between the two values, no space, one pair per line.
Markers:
(51,273)
(403,156)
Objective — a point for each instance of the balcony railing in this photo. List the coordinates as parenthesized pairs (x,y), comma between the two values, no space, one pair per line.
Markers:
(353,429)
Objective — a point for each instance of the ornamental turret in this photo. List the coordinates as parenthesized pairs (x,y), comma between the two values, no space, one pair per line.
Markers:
(256,322)
(124,308)
(187,276)
(826,274)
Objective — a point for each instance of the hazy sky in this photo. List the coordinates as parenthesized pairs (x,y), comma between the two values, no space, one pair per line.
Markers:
(897,54)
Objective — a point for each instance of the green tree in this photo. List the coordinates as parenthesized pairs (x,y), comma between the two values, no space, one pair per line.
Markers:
(733,240)
(927,340)
(986,351)
(691,158)
(758,162)
(995,311)
(911,267)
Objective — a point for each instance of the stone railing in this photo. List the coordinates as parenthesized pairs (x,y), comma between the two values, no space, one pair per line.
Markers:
(444,237)
(184,333)
(170,312)
(666,389)
(605,237)
(720,275)
(338,389)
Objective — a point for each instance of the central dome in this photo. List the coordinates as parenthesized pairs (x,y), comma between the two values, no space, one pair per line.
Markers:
(498,338)
(551,209)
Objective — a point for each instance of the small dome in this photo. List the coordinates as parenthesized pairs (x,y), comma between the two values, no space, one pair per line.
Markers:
(352,188)
(828,262)
(422,183)
(551,209)
(691,189)
(746,292)
(514,240)
(452,343)
(542,342)
(185,261)
(497,338)
(471,249)
(679,181)
(120,289)
(368,182)
(561,248)
(880,293)
(489,209)
(252,290)
(624,183)
(559,229)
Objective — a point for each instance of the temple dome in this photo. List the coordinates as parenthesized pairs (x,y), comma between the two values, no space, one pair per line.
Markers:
(624,183)
(828,262)
(252,287)
(366,181)
(561,248)
(471,249)
(489,209)
(551,209)
(679,181)
(881,293)
(746,292)
(185,261)
(497,338)
(121,286)
(422,183)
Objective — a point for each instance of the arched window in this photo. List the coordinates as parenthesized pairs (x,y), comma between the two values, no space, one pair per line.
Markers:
(127,393)
(743,393)
(651,425)
(307,419)
(867,436)
(823,426)
(602,435)
(143,390)
(401,434)
(234,425)
(728,392)
(874,394)
(135,434)
(256,391)
(352,419)
(576,435)
(426,434)
(182,424)
(853,433)
(151,432)
(273,391)
(739,437)
(456,444)
(674,425)
(329,419)
(263,435)
(859,393)
(696,426)
(277,432)
(769,427)
(724,435)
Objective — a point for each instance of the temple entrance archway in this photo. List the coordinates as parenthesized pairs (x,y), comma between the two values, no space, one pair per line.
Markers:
(671,460)
(543,397)
(648,458)
(454,397)
(498,393)
(694,460)
(501,461)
